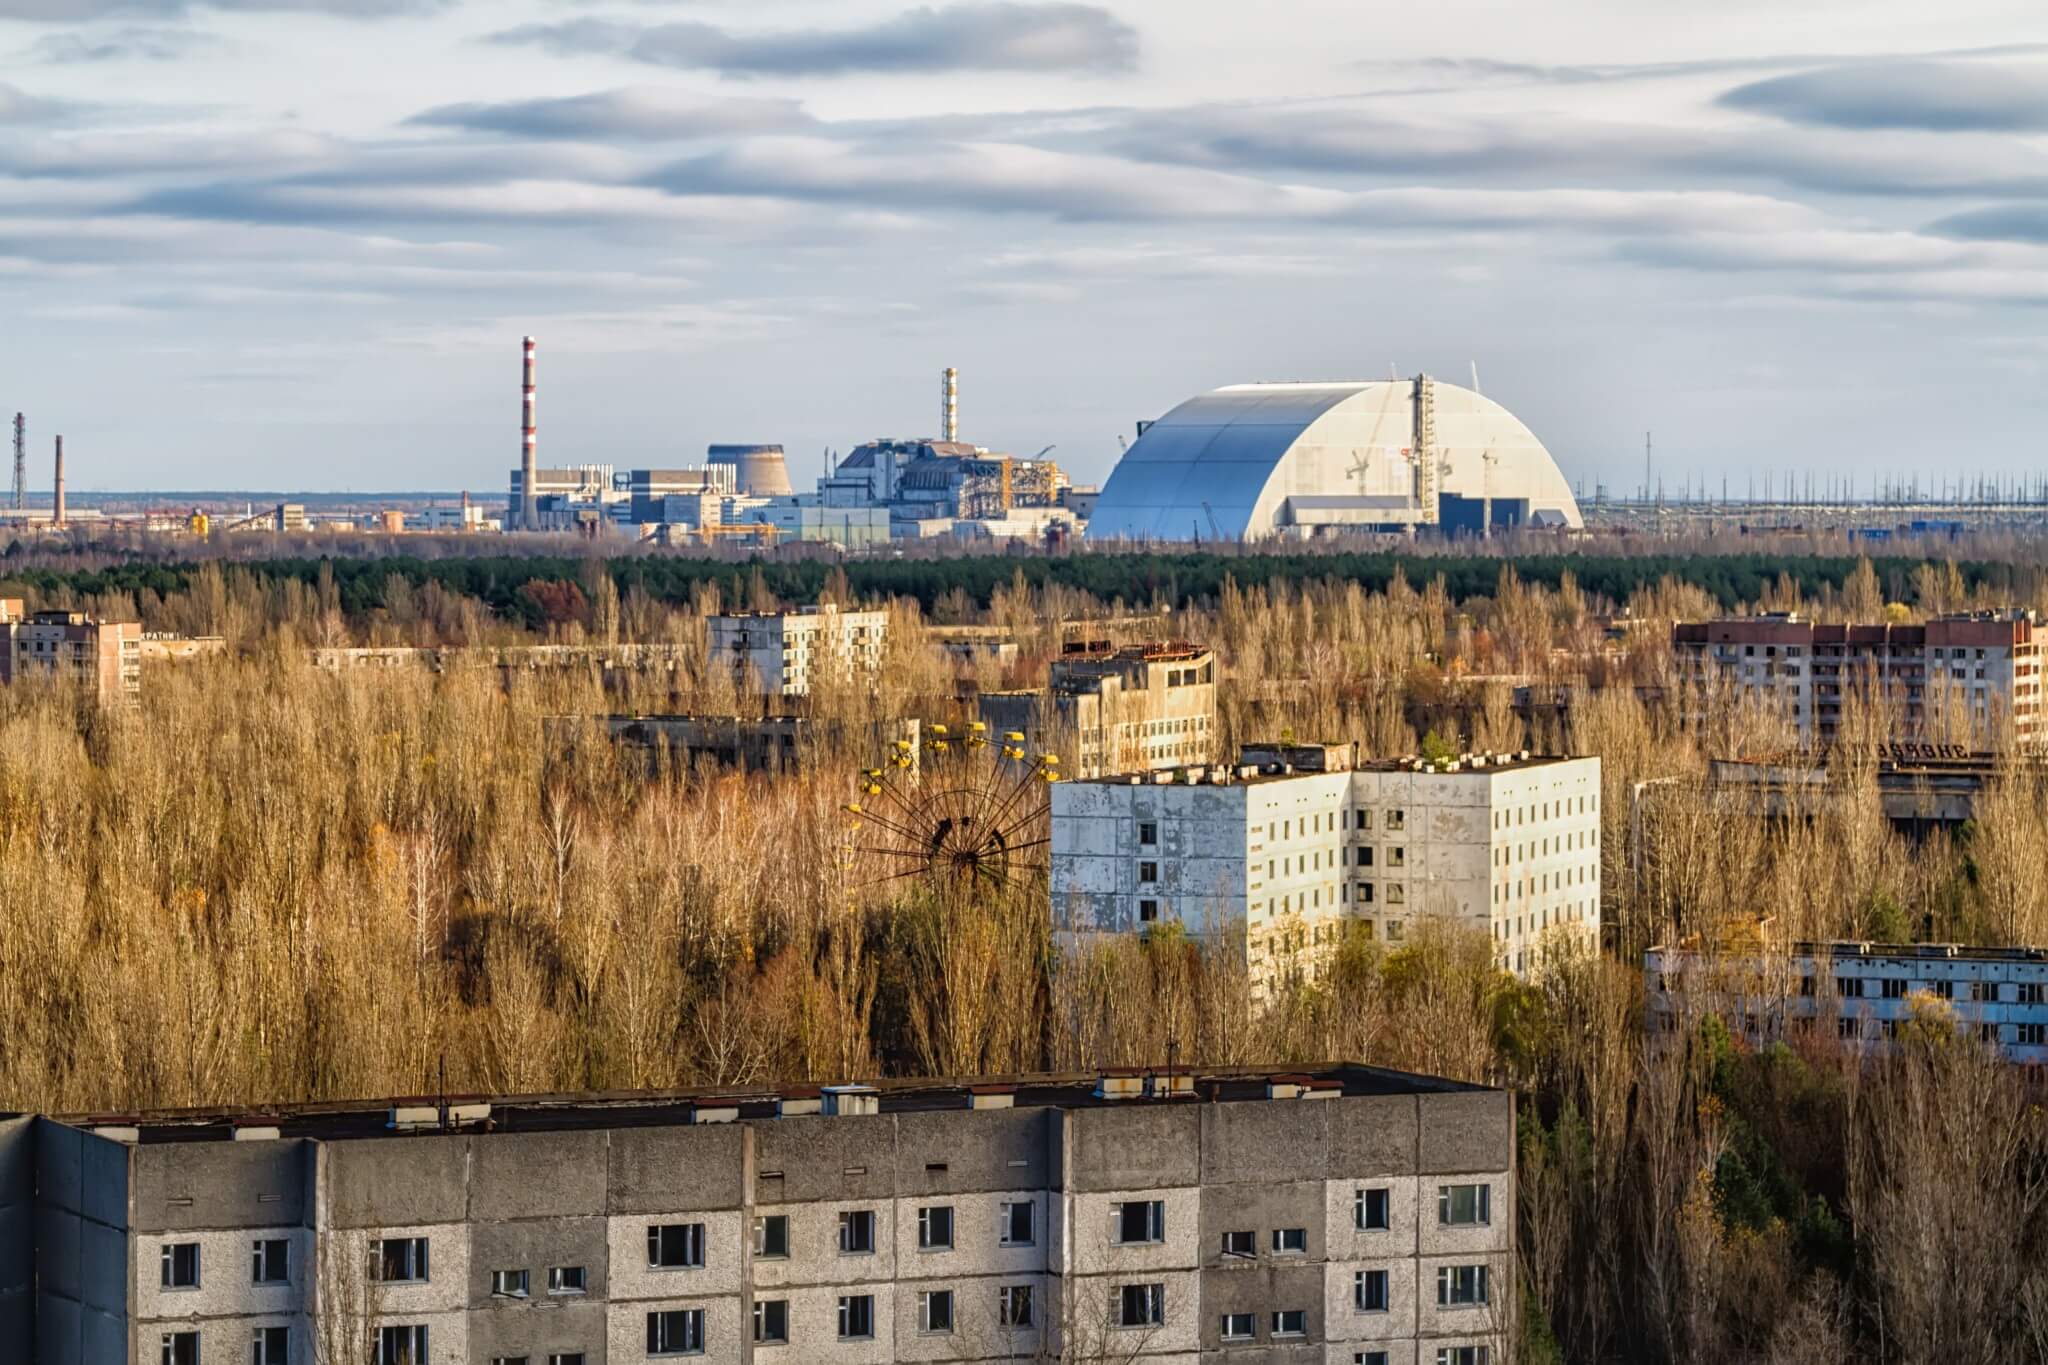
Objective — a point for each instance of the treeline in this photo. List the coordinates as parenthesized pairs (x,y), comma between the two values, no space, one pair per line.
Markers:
(500,582)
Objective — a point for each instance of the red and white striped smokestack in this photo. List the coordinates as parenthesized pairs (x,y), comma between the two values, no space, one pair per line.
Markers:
(57,517)
(529,451)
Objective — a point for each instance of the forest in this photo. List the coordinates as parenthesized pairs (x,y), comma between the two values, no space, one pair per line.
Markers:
(270,882)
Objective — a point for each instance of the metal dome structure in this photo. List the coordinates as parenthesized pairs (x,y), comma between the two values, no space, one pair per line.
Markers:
(1254,461)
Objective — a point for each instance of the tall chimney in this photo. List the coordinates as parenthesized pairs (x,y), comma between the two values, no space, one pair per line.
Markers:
(949,405)
(529,468)
(58,517)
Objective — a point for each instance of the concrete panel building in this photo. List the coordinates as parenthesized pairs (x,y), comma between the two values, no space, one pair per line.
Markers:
(1862,992)
(1135,709)
(1983,669)
(783,654)
(103,657)
(1296,846)
(1342,1214)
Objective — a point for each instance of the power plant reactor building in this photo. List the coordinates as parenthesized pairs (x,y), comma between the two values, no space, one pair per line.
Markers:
(761,470)
(1297,460)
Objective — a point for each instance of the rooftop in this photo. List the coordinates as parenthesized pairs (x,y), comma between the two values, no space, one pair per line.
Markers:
(1259,763)
(1122,1087)
(1961,952)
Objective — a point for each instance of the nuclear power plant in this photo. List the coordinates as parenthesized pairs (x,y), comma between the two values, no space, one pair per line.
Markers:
(1296,461)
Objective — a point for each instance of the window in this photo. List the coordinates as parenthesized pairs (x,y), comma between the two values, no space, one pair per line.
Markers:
(181,1265)
(935,1311)
(1148,911)
(2027,993)
(1240,1326)
(1396,895)
(510,1360)
(1365,893)
(1148,872)
(1142,1220)
(1148,832)
(1290,1241)
(935,1228)
(1140,1305)
(1013,1305)
(1369,1291)
(567,1279)
(565,1358)
(1245,1243)
(2030,1035)
(771,1237)
(1980,991)
(1290,1322)
(1368,1358)
(856,1317)
(270,1261)
(402,1260)
(1369,1211)
(771,1321)
(402,1345)
(675,1246)
(1459,1206)
(510,1284)
(676,1332)
(1461,1355)
(1397,856)
(1460,1286)
(1895,988)
(1397,819)
(856,1233)
(1020,1224)
(271,1346)
(181,1348)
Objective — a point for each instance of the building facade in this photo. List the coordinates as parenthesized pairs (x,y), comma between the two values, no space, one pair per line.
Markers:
(1347,1214)
(1979,671)
(783,654)
(1135,709)
(103,657)
(1297,846)
(1862,992)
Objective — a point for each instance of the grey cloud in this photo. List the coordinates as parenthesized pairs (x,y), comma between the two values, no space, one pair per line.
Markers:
(2005,223)
(17,107)
(134,43)
(1937,96)
(61,11)
(639,113)
(999,36)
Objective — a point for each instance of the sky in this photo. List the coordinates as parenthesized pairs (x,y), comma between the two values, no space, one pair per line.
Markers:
(295,243)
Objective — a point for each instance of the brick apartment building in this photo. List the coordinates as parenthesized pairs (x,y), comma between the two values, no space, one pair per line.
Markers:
(1344,1214)
(1988,664)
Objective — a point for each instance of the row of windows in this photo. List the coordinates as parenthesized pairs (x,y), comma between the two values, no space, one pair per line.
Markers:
(1543,810)
(270,1263)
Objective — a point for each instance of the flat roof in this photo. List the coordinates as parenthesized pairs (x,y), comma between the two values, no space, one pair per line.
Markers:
(1179,777)
(1946,952)
(371,1118)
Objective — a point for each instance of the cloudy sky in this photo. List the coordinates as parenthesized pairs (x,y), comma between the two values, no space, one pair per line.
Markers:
(294,243)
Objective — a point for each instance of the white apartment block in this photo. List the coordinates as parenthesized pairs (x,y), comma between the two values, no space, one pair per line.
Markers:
(1861,992)
(1297,846)
(784,654)
(1342,1215)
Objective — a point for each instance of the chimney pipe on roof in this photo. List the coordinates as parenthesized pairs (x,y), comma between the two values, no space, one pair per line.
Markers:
(949,405)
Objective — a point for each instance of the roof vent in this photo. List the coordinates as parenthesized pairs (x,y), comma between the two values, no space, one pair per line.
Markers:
(1172,1085)
(849,1101)
(257,1132)
(118,1132)
(798,1102)
(1287,1087)
(1324,1089)
(409,1117)
(992,1097)
(1120,1085)
(714,1111)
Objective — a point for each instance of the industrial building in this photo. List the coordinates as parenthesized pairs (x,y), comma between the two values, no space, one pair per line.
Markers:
(1342,1213)
(1978,670)
(1258,461)
(776,745)
(1296,846)
(786,654)
(1134,709)
(103,657)
(1860,992)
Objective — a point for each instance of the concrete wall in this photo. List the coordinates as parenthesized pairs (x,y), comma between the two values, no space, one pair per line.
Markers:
(82,1253)
(17,1237)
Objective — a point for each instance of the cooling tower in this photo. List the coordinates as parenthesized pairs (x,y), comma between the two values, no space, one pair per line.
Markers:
(758,471)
